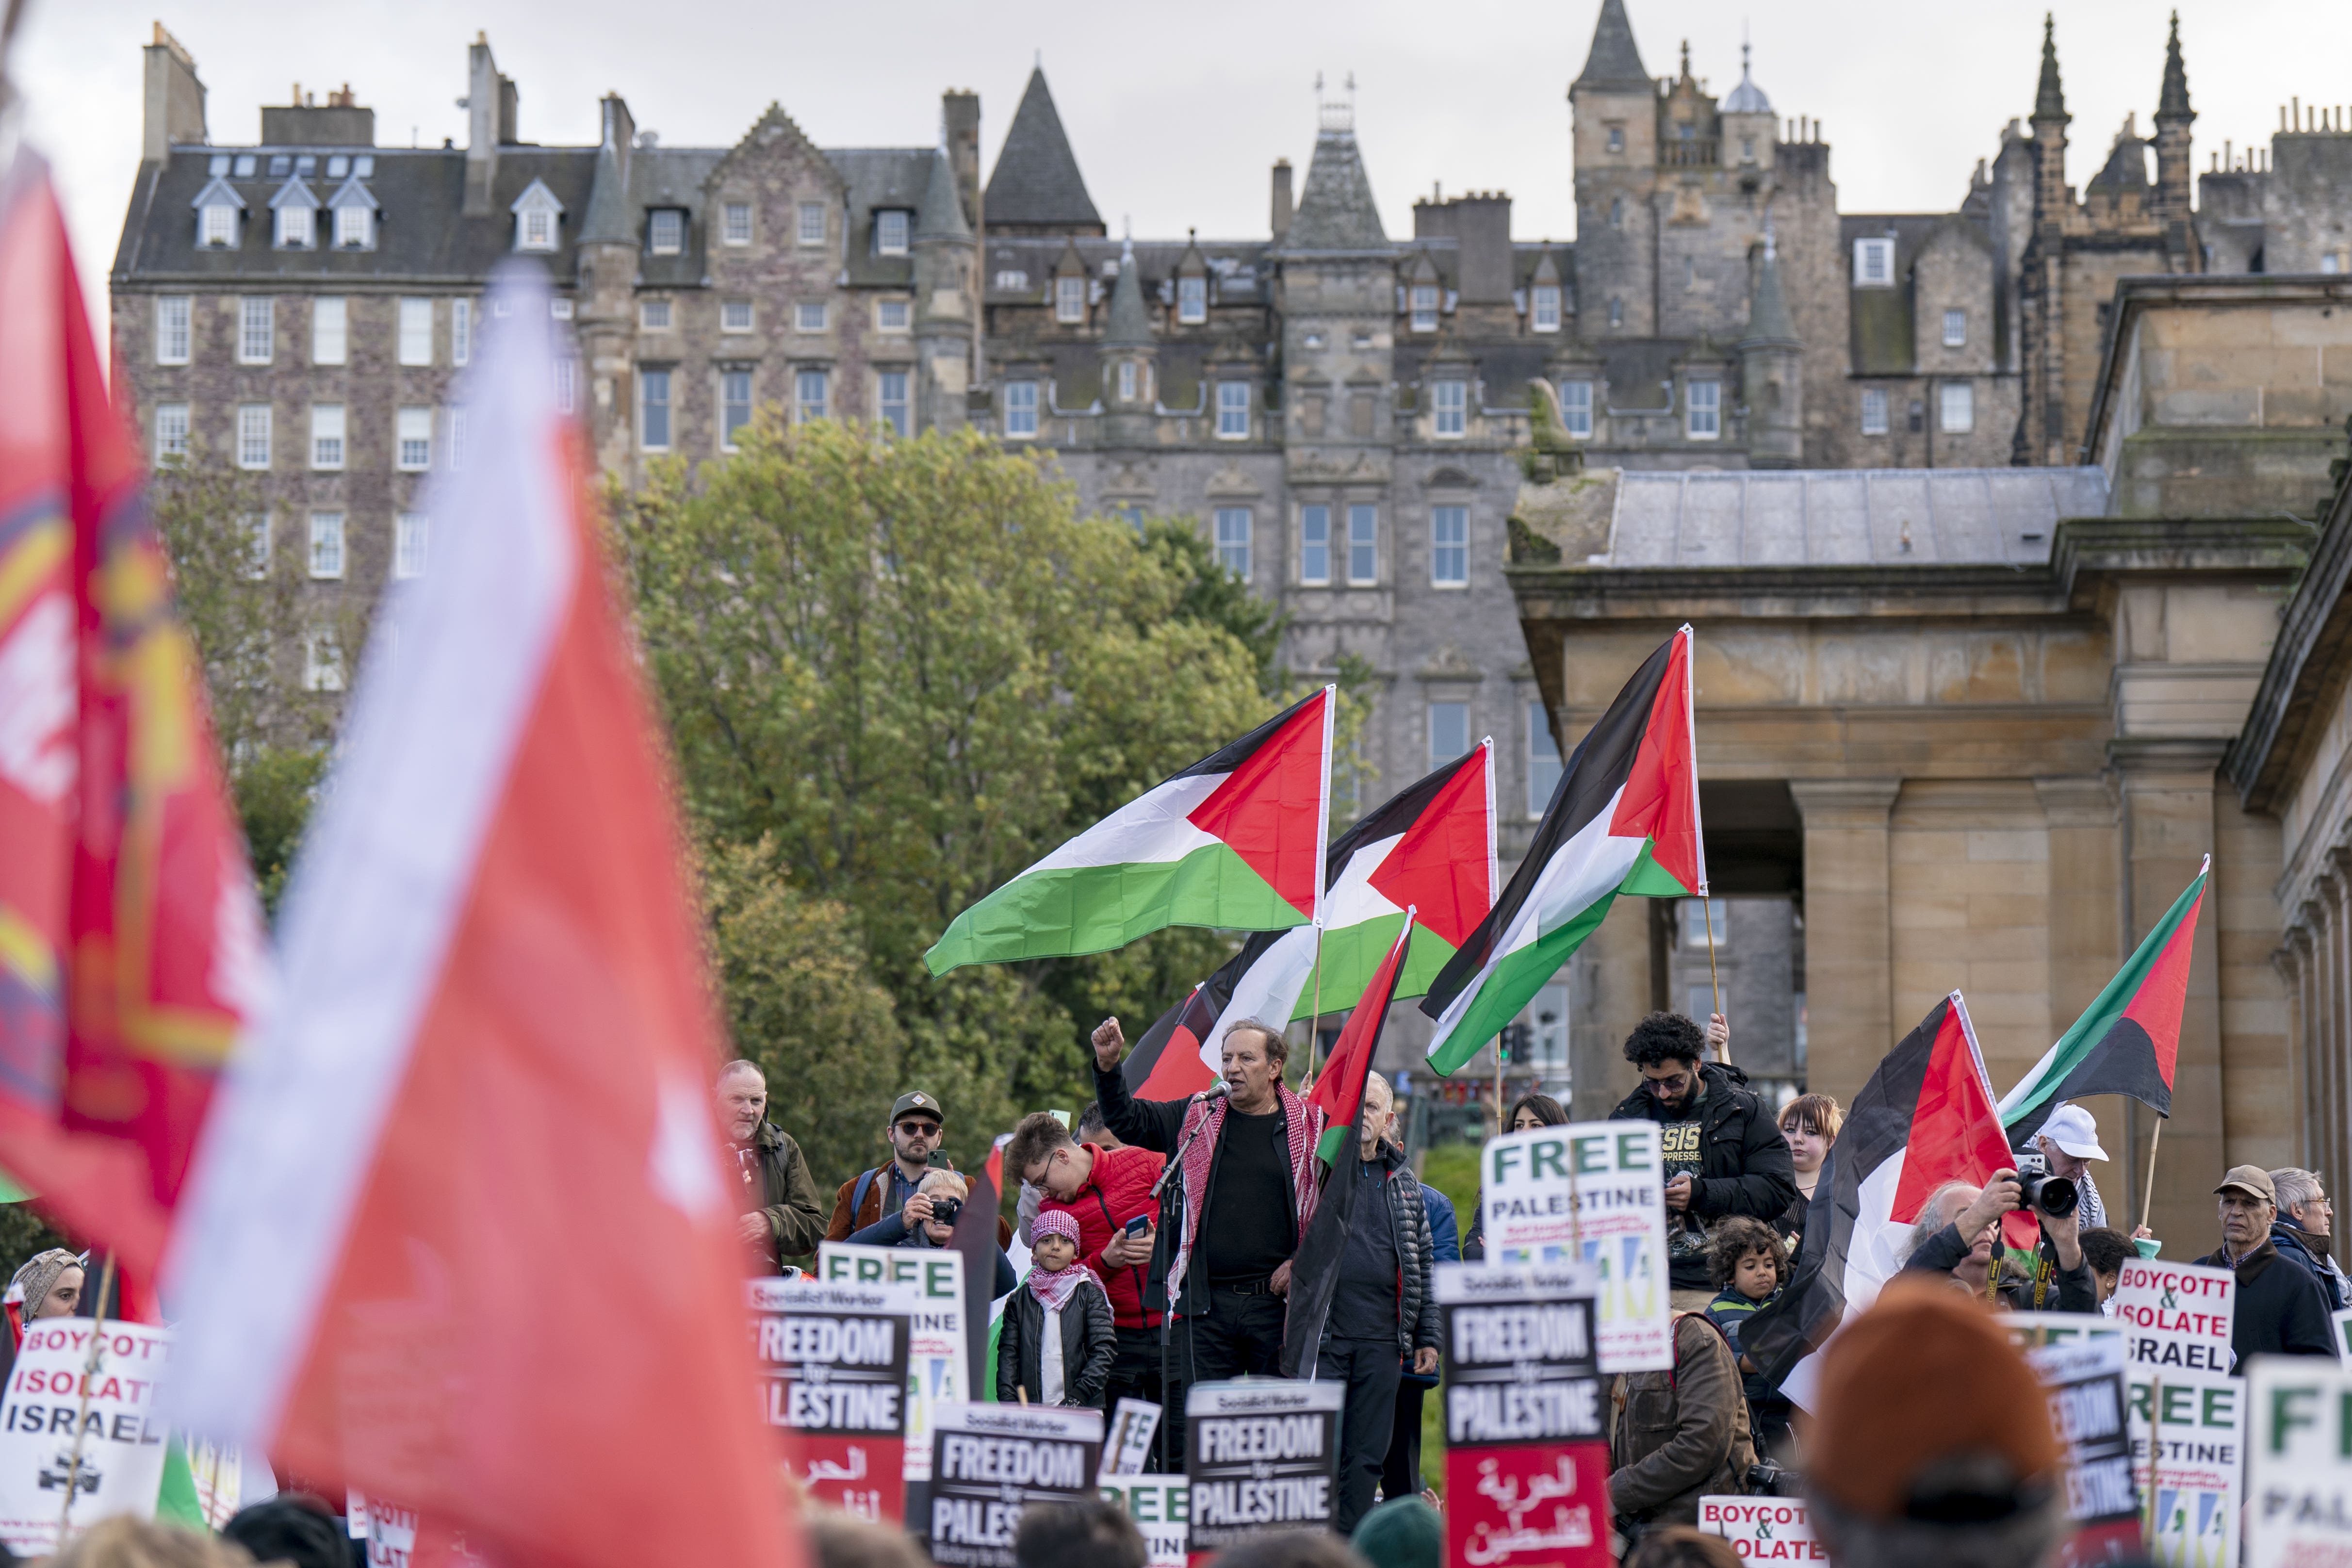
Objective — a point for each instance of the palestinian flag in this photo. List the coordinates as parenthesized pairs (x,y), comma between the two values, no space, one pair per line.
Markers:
(1432,848)
(1623,819)
(1925,1118)
(1339,1093)
(2126,1041)
(1234,841)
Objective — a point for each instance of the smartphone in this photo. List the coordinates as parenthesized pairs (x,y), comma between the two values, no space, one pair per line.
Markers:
(1139,1225)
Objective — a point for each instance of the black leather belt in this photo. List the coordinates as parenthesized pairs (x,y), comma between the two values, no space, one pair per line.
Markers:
(1263,1287)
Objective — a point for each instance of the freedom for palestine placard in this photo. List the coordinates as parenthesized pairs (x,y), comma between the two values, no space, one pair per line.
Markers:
(1527,1445)
(1260,1454)
(990,1462)
(835,1357)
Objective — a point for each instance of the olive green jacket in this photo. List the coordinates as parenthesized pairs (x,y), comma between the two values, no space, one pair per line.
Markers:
(1680,1434)
(787,1194)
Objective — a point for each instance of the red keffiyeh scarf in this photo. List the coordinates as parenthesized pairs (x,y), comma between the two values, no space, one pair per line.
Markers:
(1302,1122)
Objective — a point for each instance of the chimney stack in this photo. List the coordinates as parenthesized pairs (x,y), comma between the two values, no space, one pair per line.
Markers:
(1282,207)
(175,98)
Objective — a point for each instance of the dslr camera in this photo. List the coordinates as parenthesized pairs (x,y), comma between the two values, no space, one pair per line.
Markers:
(945,1210)
(2038,1192)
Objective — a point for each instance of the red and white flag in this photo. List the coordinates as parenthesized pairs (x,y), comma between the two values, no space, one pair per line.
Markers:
(458,1233)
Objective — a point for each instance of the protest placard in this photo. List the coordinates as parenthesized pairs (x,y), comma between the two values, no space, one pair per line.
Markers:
(834,1358)
(1159,1506)
(120,1465)
(1127,1445)
(2085,1379)
(989,1462)
(1526,1448)
(2298,1463)
(2030,1331)
(1763,1529)
(1594,1191)
(1261,1455)
(218,1474)
(392,1534)
(2186,1448)
(2178,1315)
(936,1374)
(2342,1323)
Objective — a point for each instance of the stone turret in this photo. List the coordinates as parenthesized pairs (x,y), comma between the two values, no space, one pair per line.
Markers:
(1613,105)
(944,277)
(1772,371)
(1130,356)
(2173,171)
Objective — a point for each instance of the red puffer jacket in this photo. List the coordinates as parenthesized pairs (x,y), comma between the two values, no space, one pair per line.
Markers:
(1117,1189)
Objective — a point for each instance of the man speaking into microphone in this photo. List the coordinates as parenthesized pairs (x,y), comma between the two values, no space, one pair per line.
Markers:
(1241,1188)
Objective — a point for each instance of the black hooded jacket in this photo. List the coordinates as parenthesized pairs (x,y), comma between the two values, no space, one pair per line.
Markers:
(1744,1166)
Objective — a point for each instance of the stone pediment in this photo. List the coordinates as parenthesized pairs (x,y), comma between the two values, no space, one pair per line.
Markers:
(1230,480)
(1449,663)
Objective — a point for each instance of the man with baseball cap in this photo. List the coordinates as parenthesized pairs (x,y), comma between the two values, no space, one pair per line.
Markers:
(2281,1309)
(915,1128)
(1904,1475)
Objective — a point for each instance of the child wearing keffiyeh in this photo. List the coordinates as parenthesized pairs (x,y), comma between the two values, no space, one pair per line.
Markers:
(1056,1343)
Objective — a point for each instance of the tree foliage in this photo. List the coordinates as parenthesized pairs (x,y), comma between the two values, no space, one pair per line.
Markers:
(910,668)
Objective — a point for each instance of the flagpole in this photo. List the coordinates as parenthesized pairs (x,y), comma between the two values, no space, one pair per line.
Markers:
(88,1376)
(1322,884)
(1315,1019)
(2147,1197)
(1723,1053)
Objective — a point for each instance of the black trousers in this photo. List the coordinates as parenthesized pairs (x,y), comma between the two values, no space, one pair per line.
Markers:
(1134,1374)
(1401,1474)
(1372,1371)
(1241,1336)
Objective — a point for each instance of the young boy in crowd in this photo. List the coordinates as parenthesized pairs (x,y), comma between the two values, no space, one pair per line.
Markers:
(1057,1342)
(1750,1266)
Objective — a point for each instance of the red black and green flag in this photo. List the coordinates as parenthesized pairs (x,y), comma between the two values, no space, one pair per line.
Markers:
(1623,819)
(2127,1040)
(1430,847)
(1340,1095)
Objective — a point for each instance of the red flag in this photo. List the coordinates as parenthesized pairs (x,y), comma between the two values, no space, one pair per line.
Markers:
(1339,1093)
(459,1231)
(132,948)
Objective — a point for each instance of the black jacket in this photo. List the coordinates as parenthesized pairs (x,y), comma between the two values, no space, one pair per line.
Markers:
(1744,1166)
(1407,1218)
(2077,1289)
(1159,1125)
(1089,1344)
(2311,1251)
(2282,1310)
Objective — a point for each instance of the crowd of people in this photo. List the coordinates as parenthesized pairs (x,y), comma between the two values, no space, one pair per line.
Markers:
(1162,1236)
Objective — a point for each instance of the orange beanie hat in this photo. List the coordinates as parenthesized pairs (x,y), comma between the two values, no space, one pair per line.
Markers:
(1924,1374)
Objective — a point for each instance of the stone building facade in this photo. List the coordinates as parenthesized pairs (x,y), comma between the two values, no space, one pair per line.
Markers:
(1352,416)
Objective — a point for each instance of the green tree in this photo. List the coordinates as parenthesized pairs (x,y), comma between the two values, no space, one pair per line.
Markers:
(913,668)
(801,1001)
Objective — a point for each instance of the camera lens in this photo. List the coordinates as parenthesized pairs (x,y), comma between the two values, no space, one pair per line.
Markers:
(945,1210)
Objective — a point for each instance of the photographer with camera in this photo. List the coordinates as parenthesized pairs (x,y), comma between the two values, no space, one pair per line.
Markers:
(1959,1234)
(928,1219)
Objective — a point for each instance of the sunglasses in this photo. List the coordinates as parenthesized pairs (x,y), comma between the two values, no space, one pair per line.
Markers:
(914,1128)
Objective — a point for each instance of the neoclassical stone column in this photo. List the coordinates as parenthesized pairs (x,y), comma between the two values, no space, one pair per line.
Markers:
(2294,961)
(1849,982)
(2168,821)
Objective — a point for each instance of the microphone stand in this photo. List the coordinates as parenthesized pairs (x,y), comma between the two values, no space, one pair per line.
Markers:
(1171,1180)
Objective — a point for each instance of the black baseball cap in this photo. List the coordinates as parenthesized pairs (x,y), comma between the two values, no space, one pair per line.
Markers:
(916,1099)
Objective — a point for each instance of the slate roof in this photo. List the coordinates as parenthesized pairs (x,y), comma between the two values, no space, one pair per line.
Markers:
(1747,97)
(419,233)
(1336,210)
(1614,64)
(880,178)
(1036,179)
(1882,516)
(1882,322)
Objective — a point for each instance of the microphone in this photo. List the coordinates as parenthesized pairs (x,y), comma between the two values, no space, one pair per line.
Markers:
(1217,1090)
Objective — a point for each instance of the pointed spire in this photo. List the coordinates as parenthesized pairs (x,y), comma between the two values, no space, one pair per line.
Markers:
(2172,103)
(1687,59)
(1035,185)
(1614,64)
(1335,209)
(2050,99)
(1130,323)
(1767,312)
(941,213)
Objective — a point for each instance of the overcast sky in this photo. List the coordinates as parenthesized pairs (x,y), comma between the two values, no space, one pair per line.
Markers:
(1177,111)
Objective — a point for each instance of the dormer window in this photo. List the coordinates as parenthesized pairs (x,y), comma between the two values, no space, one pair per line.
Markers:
(537,217)
(1424,307)
(1874,263)
(665,232)
(890,232)
(294,231)
(1192,301)
(217,206)
(1070,301)
(1544,308)
(355,210)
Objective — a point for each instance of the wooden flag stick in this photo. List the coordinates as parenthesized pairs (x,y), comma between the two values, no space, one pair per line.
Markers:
(2147,1197)
(89,1376)
(1723,1053)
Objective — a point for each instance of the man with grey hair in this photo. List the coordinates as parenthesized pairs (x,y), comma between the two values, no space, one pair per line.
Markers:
(2281,1308)
(1246,1175)
(781,1215)
(1959,1234)
(2300,1230)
